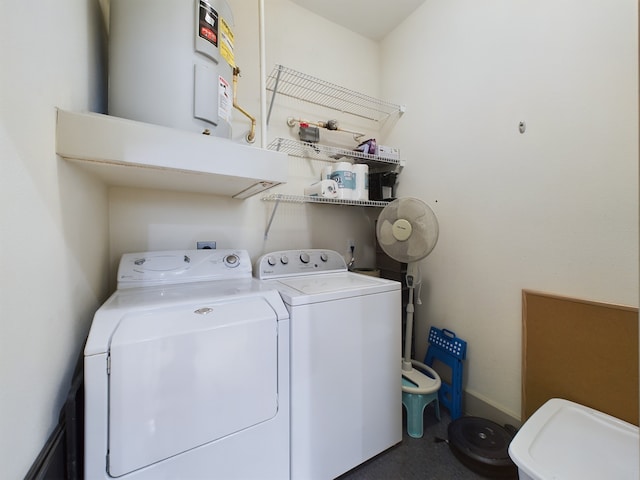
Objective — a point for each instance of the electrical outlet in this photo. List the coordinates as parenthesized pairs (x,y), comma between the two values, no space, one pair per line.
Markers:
(351,244)
(208,245)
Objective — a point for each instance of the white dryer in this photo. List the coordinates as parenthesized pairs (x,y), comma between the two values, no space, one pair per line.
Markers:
(187,372)
(346,402)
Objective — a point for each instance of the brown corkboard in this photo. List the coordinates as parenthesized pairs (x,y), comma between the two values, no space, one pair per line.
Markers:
(583,351)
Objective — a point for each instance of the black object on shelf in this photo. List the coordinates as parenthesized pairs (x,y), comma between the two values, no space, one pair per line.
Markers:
(382,185)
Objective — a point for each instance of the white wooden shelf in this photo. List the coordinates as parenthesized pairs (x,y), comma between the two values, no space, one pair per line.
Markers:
(135,154)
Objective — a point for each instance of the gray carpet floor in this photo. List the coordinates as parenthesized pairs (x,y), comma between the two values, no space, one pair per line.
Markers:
(417,458)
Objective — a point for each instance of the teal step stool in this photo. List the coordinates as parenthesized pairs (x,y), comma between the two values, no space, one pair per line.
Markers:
(415,403)
(445,347)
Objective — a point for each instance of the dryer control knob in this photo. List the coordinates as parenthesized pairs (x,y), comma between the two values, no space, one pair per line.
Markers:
(324,257)
(232,260)
(284,259)
(271,261)
(304,257)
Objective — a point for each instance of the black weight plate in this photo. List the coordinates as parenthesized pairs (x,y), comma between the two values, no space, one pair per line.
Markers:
(483,446)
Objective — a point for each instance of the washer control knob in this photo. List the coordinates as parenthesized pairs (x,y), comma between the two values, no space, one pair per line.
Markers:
(324,257)
(304,257)
(232,261)
(284,260)
(271,261)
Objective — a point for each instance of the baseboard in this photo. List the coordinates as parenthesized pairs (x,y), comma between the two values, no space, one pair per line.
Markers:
(477,406)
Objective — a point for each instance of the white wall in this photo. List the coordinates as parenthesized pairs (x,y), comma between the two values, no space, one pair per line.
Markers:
(53,231)
(554,209)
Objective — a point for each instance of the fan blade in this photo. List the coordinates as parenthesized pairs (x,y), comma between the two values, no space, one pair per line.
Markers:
(426,235)
(411,209)
(426,229)
(418,247)
(390,212)
(397,251)
(385,234)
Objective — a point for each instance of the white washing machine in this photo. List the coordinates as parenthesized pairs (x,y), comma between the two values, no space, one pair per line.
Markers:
(187,372)
(346,395)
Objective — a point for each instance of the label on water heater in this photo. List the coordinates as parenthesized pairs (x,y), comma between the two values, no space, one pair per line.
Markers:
(226,43)
(225,100)
(208,25)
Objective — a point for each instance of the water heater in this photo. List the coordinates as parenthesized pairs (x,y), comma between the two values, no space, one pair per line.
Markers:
(171,63)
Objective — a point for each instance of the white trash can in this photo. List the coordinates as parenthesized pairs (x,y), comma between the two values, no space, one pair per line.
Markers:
(566,440)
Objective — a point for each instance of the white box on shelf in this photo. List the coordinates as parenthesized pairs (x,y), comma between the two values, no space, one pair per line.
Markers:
(385,151)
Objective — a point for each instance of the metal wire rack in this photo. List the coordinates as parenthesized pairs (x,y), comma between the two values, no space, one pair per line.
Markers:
(281,197)
(316,151)
(291,83)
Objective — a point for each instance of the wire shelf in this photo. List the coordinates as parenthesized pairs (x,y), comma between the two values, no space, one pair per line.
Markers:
(316,151)
(280,197)
(304,87)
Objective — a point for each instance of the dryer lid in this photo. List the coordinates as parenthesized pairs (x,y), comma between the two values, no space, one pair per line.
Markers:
(130,300)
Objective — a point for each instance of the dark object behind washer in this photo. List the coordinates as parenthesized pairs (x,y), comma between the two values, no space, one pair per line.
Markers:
(483,446)
(62,457)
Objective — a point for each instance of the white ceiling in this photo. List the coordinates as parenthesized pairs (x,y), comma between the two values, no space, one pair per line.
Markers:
(372,19)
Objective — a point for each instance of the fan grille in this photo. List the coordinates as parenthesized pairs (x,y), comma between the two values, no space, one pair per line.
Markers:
(423,234)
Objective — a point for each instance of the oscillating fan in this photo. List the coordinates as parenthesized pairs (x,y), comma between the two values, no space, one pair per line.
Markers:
(407,231)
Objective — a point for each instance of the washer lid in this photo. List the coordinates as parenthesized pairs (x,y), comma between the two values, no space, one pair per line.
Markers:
(332,286)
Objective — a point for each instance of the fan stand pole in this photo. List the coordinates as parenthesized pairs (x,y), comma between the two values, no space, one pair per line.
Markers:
(406,362)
